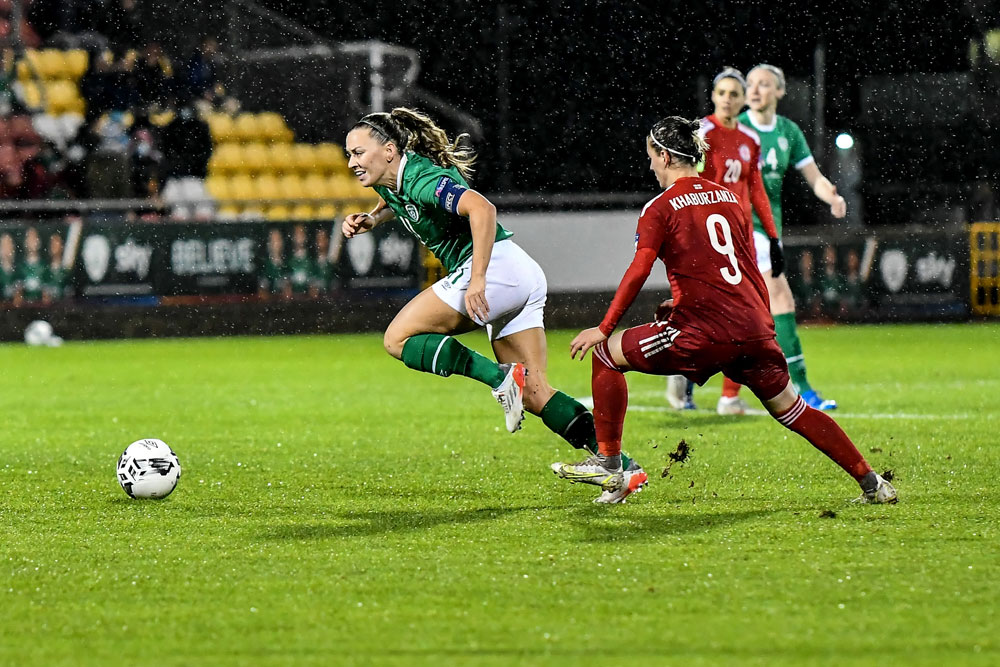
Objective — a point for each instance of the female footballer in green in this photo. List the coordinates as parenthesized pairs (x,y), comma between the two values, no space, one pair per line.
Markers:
(421,179)
(784,145)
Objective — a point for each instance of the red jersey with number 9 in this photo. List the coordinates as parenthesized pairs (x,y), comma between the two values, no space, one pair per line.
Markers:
(699,231)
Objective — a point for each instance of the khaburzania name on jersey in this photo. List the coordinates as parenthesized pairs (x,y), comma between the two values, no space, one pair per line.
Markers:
(702,198)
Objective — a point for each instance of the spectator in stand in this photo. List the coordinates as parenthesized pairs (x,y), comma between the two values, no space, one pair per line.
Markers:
(187,146)
(201,69)
(31,271)
(107,166)
(107,85)
(8,268)
(146,163)
(153,76)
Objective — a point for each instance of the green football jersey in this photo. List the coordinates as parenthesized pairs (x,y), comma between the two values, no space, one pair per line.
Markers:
(300,273)
(782,144)
(55,280)
(8,283)
(272,277)
(31,275)
(425,201)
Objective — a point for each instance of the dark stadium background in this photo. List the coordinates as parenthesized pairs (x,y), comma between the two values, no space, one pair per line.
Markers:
(585,79)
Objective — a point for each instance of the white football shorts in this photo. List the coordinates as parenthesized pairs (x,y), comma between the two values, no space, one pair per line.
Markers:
(762,245)
(515,290)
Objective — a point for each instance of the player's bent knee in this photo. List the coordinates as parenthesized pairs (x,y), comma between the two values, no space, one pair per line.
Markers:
(393,344)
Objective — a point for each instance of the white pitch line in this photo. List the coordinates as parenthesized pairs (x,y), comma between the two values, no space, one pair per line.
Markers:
(588,402)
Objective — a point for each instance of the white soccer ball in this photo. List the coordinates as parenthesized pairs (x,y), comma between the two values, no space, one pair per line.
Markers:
(38,333)
(148,469)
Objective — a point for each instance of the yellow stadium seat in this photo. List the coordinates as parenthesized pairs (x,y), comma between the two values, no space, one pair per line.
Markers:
(330,157)
(303,212)
(77,62)
(62,97)
(316,187)
(341,186)
(226,158)
(272,127)
(304,156)
(246,128)
(282,157)
(221,127)
(256,157)
(291,187)
(242,188)
(267,187)
(31,94)
(325,212)
(279,212)
(228,212)
(52,64)
(217,187)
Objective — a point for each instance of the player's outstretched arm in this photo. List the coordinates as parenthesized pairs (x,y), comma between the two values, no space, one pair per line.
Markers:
(824,190)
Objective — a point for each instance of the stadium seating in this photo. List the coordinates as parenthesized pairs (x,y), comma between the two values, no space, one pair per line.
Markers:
(255,159)
(49,80)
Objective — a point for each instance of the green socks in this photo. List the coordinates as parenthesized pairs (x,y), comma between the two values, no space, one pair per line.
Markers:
(788,339)
(568,419)
(444,356)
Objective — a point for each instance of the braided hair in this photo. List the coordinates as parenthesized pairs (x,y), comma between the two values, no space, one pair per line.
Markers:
(679,137)
(413,131)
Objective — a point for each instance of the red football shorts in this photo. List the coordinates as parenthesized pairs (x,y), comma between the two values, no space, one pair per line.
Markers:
(660,349)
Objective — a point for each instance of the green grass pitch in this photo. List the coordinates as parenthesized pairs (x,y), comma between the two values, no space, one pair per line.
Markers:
(338,508)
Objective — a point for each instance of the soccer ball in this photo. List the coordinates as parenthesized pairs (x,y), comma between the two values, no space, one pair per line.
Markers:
(39,333)
(148,469)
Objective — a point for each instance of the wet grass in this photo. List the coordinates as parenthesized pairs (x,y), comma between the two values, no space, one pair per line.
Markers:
(337,508)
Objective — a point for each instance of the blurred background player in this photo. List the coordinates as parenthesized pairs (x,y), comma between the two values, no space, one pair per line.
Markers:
(718,322)
(784,145)
(733,161)
(421,178)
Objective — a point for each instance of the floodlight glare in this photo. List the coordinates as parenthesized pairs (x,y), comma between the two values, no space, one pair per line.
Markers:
(844,141)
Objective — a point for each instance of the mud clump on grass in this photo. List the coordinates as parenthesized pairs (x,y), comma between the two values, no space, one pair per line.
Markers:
(828,514)
(679,455)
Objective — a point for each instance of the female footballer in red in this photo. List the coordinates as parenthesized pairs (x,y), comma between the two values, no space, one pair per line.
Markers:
(718,320)
(733,161)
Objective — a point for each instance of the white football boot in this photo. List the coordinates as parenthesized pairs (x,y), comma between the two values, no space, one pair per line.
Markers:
(510,395)
(677,391)
(633,479)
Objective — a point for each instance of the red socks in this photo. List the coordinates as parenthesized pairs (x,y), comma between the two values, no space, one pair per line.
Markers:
(730,389)
(610,392)
(825,435)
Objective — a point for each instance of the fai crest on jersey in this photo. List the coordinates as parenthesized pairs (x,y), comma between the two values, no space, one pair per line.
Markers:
(783,143)
(744,152)
(412,211)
